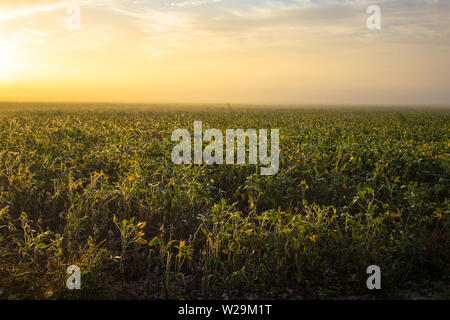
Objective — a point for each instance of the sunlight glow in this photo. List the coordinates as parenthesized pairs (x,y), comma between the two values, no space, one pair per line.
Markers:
(212,51)
(7,60)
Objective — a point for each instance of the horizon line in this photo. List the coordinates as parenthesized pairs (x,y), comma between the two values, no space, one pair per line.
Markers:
(226,104)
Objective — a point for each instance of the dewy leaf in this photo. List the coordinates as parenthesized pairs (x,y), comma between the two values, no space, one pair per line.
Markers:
(141,225)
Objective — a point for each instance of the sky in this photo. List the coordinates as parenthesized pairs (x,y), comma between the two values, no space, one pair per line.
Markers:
(219,51)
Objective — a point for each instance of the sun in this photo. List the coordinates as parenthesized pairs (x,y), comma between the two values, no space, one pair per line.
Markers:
(7,59)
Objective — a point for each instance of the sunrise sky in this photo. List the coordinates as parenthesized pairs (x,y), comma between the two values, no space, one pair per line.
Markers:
(237,51)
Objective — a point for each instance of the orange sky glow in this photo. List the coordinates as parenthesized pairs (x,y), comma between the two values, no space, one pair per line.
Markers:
(218,51)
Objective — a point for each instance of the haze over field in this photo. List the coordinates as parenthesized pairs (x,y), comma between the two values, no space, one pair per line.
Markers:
(247,51)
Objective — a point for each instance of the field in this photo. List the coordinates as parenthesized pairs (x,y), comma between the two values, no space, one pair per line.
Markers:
(94,186)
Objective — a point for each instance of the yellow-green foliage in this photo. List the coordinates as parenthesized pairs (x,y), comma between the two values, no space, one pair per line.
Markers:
(96,188)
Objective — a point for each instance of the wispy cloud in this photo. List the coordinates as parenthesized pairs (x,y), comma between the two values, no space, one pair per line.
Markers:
(193,3)
(14,10)
(409,19)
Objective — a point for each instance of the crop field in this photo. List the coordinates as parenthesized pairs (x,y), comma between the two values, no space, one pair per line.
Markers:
(94,186)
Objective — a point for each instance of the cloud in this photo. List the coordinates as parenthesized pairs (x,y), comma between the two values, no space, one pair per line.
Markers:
(193,3)
(215,24)
(22,9)
(10,10)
